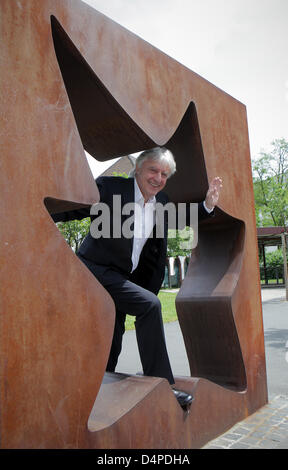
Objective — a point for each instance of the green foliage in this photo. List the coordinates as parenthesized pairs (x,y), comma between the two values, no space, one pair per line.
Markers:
(119,173)
(274,270)
(179,242)
(274,258)
(74,231)
(270,173)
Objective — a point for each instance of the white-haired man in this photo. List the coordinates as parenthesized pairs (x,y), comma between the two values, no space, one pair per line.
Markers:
(132,268)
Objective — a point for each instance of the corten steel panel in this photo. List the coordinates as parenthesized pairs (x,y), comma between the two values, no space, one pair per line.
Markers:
(72,78)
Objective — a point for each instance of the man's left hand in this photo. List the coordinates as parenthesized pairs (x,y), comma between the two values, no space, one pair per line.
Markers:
(213,193)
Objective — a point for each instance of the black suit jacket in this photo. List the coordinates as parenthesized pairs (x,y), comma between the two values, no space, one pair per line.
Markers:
(116,253)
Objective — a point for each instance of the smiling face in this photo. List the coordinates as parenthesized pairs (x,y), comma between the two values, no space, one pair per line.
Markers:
(152,177)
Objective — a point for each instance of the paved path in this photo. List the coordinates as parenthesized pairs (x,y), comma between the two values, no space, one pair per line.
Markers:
(265,429)
(268,427)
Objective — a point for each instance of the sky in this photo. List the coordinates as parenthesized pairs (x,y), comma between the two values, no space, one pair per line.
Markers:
(241,46)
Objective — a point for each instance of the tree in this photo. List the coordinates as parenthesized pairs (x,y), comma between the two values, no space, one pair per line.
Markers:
(273,268)
(179,242)
(74,231)
(270,180)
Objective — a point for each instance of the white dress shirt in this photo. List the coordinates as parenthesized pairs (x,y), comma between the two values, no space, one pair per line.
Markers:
(144,220)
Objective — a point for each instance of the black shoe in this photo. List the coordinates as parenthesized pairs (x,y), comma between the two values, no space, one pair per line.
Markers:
(184,399)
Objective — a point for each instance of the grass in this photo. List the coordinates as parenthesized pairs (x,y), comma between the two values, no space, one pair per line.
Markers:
(167,300)
(273,281)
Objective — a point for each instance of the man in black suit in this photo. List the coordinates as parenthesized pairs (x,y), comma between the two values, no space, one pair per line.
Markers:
(127,255)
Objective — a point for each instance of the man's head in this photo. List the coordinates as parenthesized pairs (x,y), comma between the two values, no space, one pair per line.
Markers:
(153,168)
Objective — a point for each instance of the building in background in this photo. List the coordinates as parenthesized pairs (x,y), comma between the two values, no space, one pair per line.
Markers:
(123,165)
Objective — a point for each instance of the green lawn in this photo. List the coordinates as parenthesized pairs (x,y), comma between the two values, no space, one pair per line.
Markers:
(167,300)
(273,281)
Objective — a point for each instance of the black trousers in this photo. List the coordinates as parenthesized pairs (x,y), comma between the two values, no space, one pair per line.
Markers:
(131,299)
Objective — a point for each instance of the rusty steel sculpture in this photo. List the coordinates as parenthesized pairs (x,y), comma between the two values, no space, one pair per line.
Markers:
(72,79)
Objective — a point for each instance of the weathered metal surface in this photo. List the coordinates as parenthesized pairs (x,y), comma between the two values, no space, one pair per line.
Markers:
(121,95)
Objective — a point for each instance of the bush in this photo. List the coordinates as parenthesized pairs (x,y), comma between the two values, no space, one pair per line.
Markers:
(274,266)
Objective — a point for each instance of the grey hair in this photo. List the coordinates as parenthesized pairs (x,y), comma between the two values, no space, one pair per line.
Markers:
(160,154)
